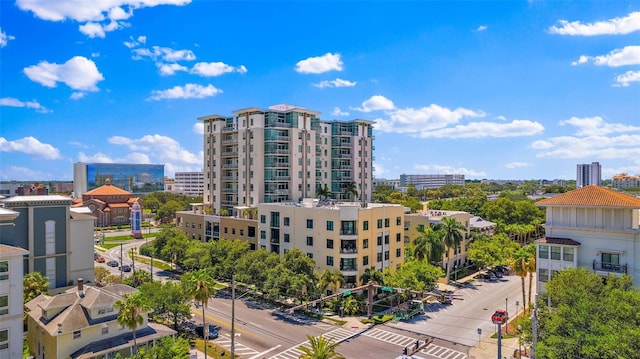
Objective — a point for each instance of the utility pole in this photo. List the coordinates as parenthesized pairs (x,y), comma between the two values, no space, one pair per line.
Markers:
(534,329)
(233,316)
(121,272)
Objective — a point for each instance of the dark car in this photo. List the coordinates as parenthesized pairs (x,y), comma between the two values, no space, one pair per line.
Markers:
(497,272)
(489,276)
(213,331)
(126,268)
(504,269)
(112,263)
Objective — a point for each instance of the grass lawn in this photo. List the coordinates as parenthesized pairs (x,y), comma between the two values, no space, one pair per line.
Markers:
(156,263)
(109,245)
(213,350)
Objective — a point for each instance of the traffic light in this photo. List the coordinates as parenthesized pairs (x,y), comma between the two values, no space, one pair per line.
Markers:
(405,351)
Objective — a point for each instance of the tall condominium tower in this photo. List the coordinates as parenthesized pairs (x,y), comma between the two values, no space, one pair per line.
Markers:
(588,174)
(283,154)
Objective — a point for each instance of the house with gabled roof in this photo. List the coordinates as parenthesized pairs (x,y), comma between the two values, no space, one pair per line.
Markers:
(591,227)
(81,323)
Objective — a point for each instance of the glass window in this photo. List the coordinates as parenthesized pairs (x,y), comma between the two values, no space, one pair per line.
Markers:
(286,237)
(379,240)
(263,235)
(386,239)
(330,243)
(386,255)
(4,269)
(77,334)
(4,305)
(310,255)
(398,252)
(567,254)
(365,243)
(365,225)
(286,221)
(379,223)
(543,252)
(263,218)
(386,223)
(379,256)
(330,261)
(309,223)
(421,227)
(543,274)
(398,237)
(555,252)
(329,225)
(610,258)
(365,260)
(310,241)
(4,339)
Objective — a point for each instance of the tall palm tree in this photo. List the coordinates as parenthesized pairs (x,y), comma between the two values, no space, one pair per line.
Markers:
(350,189)
(373,275)
(200,286)
(531,265)
(324,281)
(518,264)
(130,312)
(452,233)
(428,245)
(321,348)
(337,278)
(323,192)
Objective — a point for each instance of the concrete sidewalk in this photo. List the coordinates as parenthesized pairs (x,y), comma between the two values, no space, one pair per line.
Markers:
(488,349)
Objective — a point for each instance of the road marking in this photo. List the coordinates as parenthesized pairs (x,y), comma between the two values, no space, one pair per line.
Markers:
(432,350)
(265,352)
(294,352)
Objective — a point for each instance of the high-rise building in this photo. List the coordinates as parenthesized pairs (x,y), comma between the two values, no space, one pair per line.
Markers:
(189,183)
(431,181)
(132,177)
(588,174)
(283,154)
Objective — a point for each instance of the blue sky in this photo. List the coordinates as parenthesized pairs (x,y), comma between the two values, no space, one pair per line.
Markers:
(501,90)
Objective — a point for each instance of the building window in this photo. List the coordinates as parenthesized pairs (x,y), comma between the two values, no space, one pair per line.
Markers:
(398,252)
(610,258)
(398,237)
(386,223)
(365,260)
(567,254)
(329,225)
(309,223)
(398,221)
(386,255)
(365,243)
(251,232)
(77,334)
(379,257)
(4,305)
(263,218)
(310,255)
(555,252)
(330,243)
(365,225)
(310,241)
(263,234)
(4,270)
(543,252)
(379,240)
(543,274)
(104,330)
(379,223)
(330,261)
(4,339)
(286,221)
(286,237)
(386,239)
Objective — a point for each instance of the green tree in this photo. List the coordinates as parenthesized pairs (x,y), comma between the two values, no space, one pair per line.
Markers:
(487,250)
(415,275)
(138,278)
(199,286)
(530,266)
(350,190)
(428,245)
(321,348)
(520,267)
(323,193)
(167,211)
(175,248)
(34,284)
(373,275)
(352,305)
(253,267)
(130,312)
(168,301)
(452,233)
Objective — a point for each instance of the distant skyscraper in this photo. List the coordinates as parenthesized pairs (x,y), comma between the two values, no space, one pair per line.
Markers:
(588,174)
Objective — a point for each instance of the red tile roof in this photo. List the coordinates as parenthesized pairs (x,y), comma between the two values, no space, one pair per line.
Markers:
(118,205)
(107,190)
(591,196)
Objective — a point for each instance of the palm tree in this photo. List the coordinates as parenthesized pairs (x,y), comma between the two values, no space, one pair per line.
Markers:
(452,233)
(350,189)
(130,312)
(200,286)
(337,278)
(428,245)
(518,265)
(321,348)
(531,265)
(324,280)
(373,275)
(323,192)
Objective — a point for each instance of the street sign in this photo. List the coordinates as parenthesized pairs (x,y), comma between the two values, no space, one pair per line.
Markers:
(386,289)
(346,293)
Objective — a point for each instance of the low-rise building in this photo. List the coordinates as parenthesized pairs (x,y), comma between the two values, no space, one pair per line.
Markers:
(109,204)
(623,180)
(81,323)
(11,297)
(591,227)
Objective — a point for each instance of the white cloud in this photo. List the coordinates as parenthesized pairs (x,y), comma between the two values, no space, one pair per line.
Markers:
(31,146)
(14,102)
(95,54)
(185,92)
(375,103)
(319,64)
(410,120)
(77,95)
(501,118)
(481,28)
(629,55)
(159,53)
(96,17)
(596,126)
(449,170)
(513,165)
(625,79)
(198,128)
(515,128)
(335,83)
(336,112)
(4,38)
(170,69)
(599,147)
(165,148)
(79,73)
(379,170)
(615,26)
(210,69)
(13,172)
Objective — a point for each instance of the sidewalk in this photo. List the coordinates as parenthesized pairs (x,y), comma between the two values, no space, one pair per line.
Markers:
(488,349)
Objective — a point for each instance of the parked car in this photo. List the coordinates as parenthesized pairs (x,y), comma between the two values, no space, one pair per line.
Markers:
(489,276)
(213,331)
(126,268)
(497,272)
(100,259)
(504,269)
(112,263)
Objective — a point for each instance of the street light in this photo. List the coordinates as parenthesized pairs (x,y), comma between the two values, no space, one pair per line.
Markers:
(506,320)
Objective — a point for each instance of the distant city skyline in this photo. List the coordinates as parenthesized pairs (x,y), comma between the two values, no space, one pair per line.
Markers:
(490,90)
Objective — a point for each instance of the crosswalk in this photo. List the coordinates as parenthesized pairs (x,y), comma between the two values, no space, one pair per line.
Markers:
(294,353)
(224,341)
(432,350)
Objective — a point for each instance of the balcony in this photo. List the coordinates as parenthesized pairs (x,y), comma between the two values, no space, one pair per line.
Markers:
(229,153)
(229,190)
(348,250)
(349,268)
(610,267)
(348,232)
(274,241)
(229,165)
(229,178)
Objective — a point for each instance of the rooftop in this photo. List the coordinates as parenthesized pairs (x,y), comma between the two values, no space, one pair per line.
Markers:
(591,196)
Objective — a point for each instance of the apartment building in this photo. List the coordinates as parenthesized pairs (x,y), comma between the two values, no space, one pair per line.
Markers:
(588,174)
(337,235)
(415,222)
(591,227)
(427,181)
(189,183)
(81,323)
(60,243)
(283,154)
(623,180)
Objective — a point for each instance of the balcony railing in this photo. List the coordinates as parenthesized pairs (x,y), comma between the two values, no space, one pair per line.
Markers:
(348,232)
(610,267)
(348,250)
(274,241)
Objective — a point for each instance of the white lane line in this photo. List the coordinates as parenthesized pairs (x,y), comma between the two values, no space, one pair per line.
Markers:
(265,352)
